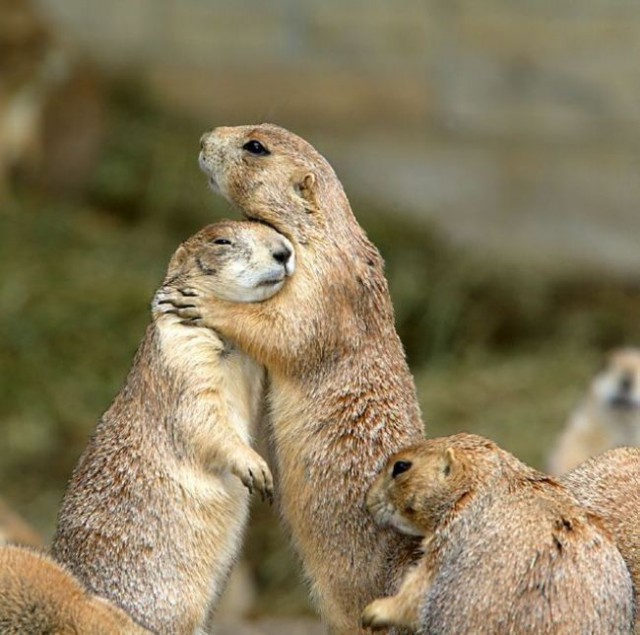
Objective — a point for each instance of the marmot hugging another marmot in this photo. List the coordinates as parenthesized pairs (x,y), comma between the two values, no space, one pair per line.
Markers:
(341,397)
(154,516)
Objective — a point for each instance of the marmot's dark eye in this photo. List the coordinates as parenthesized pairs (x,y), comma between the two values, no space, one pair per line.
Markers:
(399,467)
(221,241)
(255,147)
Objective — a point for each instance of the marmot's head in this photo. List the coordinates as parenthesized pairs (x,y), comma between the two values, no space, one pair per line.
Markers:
(237,261)
(274,176)
(421,484)
(616,388)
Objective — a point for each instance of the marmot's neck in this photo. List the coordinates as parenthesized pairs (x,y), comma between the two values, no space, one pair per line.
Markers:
(139,410)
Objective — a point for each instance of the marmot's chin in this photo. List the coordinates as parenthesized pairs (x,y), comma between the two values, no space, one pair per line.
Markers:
(268,289)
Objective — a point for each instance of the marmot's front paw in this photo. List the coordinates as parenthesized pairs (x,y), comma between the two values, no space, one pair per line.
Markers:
(185,303)
(379,614)
(254,473)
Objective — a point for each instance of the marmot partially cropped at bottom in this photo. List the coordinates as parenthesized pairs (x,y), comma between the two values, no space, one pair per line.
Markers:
(155,511)
(608,417)
(506,548)
(37,597)
(341,398)
(609,485)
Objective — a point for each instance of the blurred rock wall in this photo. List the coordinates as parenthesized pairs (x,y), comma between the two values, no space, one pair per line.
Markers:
(514,124)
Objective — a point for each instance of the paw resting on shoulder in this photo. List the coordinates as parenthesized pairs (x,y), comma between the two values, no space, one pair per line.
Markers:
(185,303)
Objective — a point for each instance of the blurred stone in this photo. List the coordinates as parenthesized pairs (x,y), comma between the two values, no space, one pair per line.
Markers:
(51,107)
(513,126)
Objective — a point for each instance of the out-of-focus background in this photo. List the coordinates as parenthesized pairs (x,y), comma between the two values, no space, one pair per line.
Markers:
(491,150)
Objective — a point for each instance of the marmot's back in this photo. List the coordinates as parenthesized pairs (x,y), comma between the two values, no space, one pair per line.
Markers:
(608,485)
(528,568)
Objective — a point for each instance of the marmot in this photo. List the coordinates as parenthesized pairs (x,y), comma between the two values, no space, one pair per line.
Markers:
(38,596)
(609,485)
(341,398)
(51,106)
(608,417)
(154,514)
(15,530)
(506,548)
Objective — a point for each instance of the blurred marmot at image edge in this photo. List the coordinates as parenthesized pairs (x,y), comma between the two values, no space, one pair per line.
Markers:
(51,104)
(608,417)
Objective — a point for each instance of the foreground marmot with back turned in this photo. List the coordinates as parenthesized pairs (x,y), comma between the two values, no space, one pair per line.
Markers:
(154,515)
(609,485)
(506,548)
(38,596)
(608,417)
(341,397)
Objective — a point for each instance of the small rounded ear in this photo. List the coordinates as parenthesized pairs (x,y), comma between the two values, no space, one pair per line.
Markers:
(177,262)
(308,182)
(306,186)
(449,460)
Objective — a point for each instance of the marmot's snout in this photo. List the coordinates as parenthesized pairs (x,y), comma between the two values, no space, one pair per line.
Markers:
(281,256)
(284,255)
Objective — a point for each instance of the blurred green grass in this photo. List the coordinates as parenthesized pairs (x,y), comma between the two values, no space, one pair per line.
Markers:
(503,351)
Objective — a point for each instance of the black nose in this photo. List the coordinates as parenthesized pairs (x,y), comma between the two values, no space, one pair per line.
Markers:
(282,255)
(626,383)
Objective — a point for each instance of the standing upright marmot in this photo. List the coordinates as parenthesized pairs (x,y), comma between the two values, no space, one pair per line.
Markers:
(38,597)
(609,485)
(341,397)
(506,548)
(155,512)
(608,417)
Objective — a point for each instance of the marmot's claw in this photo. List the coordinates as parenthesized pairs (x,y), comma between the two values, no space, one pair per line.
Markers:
(178,302)
(267,496)
(192,322)
(373,618)
(249,482)
(187,312)
(265,484)
(257,477)
(161,303)
(266,492)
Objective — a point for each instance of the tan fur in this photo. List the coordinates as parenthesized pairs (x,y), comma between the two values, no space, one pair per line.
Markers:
(38,596)
(506,549)
(608,417)
(341,398)
(609,485)
(154,514)
(15,530)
